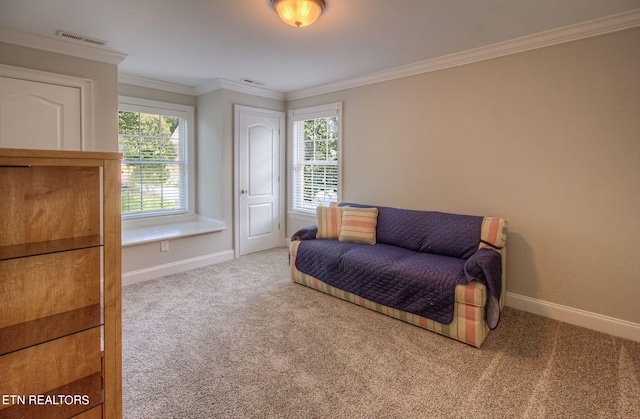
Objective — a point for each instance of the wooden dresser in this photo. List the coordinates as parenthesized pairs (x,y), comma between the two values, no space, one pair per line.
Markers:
(60,284)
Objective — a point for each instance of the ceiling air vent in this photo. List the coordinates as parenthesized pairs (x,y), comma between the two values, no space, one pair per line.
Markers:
(81,38)
(257,83)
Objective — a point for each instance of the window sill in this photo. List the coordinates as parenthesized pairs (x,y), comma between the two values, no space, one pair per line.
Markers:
(147,234)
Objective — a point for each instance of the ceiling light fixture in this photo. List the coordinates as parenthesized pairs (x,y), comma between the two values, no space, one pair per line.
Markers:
(299,13)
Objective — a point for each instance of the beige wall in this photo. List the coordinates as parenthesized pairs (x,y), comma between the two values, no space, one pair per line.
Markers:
(214,180)
(548,139)
(103,75)
(155,94)
(214,145)
(147,255)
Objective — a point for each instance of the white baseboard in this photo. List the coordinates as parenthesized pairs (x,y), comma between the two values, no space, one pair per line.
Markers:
(593,321)
(133,277)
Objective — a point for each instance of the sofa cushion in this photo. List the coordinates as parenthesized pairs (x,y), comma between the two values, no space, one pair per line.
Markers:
(419,283)
(329,222)
(359,225)
(428,231)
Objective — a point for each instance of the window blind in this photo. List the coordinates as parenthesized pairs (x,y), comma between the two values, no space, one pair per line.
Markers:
(155,164)
(315,158)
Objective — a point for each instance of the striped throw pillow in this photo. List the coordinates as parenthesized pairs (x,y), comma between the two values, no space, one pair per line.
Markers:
(494,231)
(359,225)
(329,222)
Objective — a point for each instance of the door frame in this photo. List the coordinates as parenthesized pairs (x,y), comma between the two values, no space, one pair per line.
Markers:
(238,109)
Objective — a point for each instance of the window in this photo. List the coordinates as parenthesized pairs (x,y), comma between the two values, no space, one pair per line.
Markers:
(315,161)
(155,139)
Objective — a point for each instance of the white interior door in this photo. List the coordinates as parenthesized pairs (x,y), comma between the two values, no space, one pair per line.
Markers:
(259,189)
(39,115)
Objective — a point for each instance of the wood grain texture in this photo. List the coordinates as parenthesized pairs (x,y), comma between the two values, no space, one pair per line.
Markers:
(31,333)
(48,366)
(51,246)
(48,203)
(112,290)
(83,397)
(41,286)
(57,156)
(95,413)
(60,226)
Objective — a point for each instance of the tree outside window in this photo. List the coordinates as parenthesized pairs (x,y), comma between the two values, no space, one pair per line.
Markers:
(320,169)
(153,169)
(315,157)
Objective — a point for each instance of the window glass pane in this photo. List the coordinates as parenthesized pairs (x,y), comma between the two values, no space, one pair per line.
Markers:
(154,168)
(309,147)
(315,153)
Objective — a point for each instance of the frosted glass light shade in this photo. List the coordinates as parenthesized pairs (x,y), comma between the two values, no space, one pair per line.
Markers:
(299,13)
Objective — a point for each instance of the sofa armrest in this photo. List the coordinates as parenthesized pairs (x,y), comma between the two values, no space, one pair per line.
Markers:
(305,233)
(485,266)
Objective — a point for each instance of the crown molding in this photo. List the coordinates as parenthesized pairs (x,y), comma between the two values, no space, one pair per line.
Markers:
(202,89)
(210,86)
(596,27)
(237,86)
(61,47)
(155,84)
(602,26)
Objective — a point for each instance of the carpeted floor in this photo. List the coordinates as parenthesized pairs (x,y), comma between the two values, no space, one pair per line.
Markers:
(240,340)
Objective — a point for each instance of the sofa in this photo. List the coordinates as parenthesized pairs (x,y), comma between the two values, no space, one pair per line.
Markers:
(439,271)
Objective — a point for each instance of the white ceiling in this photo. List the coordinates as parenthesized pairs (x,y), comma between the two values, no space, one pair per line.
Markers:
(192,42)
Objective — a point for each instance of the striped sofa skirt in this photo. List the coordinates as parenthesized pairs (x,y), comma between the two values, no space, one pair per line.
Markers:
(469,324)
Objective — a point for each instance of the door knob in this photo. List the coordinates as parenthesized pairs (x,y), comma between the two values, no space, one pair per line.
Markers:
(243,191)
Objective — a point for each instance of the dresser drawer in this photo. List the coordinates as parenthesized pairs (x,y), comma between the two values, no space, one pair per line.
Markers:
(80,399)
(48,203)
(68,366)
(60,284)
(95,413)
(40,286)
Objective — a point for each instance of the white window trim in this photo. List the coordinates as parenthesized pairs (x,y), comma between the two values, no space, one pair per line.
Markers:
(161,227)
(321,111)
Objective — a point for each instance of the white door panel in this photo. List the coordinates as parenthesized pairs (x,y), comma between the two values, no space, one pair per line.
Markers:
(260,167)
(258,140)
(39,115)
(260,220)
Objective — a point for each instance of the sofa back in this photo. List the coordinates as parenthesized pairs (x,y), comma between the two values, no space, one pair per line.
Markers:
(428,231)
